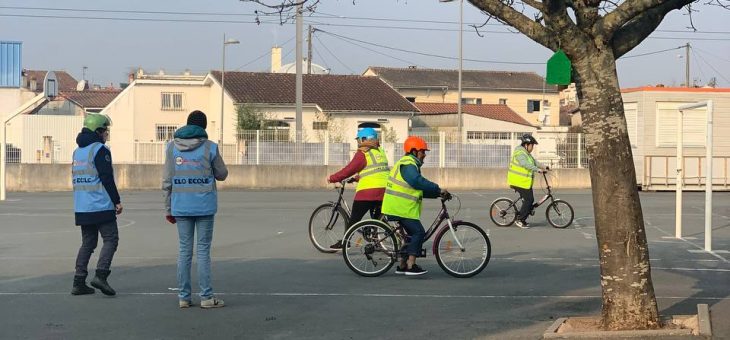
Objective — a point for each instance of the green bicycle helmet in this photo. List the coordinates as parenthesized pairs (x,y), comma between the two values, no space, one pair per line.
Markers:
(94,122)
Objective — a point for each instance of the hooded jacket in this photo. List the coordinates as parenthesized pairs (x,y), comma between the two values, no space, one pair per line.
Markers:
(103,164)
(188,138)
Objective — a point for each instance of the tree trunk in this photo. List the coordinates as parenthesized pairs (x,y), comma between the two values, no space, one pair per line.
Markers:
(628,292)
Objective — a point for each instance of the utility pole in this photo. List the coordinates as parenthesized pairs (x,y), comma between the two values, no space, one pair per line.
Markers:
(309,50)
(686,66)
(299,95)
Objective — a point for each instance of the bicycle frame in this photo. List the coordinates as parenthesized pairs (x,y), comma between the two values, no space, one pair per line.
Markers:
(442,216)
(544,199)
(339,203)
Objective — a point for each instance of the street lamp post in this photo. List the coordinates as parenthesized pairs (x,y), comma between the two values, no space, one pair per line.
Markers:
(223,83)
(461,63)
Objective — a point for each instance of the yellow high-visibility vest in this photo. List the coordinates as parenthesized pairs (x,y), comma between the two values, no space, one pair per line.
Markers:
(400,198)
(518,176)
(375,173)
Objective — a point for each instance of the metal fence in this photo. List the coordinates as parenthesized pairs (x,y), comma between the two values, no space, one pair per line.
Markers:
(51,139)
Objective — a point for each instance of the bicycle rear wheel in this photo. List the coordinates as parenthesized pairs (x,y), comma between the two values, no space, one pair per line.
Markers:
(467,261)
(503,212)
(326,226)
(559,214)
(370,247)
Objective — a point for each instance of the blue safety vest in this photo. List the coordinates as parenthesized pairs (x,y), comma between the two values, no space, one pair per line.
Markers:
(89,193)
(193,186)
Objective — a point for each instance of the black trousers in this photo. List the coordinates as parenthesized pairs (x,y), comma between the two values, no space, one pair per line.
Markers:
(360,208)
(89,239)
(528,198)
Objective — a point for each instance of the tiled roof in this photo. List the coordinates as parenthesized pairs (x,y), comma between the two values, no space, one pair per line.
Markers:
(471,79)
(677,89)
(330,92)
(66,81)
(491,111)
(91,99)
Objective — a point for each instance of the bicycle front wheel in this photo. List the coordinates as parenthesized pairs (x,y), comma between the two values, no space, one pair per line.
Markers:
(370,247)
(503,212)
(559,214)
(471,258)
(326,226)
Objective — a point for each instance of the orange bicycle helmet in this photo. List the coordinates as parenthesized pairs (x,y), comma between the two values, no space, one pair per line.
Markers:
(414,142)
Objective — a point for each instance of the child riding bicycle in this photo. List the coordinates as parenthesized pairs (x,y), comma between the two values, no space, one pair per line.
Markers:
(403,200)
(371,166)
(520,176)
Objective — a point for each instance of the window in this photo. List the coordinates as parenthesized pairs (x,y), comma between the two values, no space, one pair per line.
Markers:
(164,132)
(693,125)
(502,101)
(485,135)
(172,101)
(533,105)
(411,99)
(319,125)
(375,126)
(477,101)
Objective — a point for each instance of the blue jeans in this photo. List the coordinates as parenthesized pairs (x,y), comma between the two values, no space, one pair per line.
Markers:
(415,230)
(186,228)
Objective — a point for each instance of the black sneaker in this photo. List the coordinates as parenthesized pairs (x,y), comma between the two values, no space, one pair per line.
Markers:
(337,245)
(399,270)
(415,271)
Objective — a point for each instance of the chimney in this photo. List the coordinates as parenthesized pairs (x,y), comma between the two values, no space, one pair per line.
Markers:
(275,59)
(33,84)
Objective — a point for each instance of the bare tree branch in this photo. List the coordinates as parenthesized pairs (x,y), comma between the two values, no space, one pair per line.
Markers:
(627,11)
(534,4)
(519,21)
(635,31)
(721,3)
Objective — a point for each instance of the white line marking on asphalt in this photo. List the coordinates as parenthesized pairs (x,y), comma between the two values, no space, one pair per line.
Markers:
(674,238)
(701,251)
(691,243)
(417,296)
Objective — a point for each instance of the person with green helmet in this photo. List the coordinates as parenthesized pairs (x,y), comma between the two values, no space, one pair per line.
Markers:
(96,203)
(371,167)
(520,176)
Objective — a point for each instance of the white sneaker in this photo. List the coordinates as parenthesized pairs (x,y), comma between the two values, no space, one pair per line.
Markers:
(185,304)
(211,303)
(522,225)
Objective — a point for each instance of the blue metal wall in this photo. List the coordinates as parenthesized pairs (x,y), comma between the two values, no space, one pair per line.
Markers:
(10,63)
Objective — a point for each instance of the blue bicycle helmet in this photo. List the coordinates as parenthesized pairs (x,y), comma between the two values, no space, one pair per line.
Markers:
(367,133)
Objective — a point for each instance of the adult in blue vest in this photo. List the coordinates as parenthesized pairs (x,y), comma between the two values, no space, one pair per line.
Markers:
(192,165)
(96,203)
(521,174)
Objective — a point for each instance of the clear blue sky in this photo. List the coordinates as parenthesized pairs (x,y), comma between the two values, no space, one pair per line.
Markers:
(111,48)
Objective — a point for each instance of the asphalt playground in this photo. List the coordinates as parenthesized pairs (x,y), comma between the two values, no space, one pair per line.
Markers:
(277,286)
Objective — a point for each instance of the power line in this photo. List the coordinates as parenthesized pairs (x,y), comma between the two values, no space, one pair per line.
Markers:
(125,11)
(650,53)
(321,57)
(713,68)
(429,54)
(140,19)
(263,55)
(332,54)
(697,63)
(378,52)
(321,15)
(711,54)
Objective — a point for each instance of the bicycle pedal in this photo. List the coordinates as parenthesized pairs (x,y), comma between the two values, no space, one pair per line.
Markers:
(423,253)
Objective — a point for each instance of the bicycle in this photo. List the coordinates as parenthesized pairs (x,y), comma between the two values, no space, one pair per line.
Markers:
(462,249)
(326,217)
(503,211)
